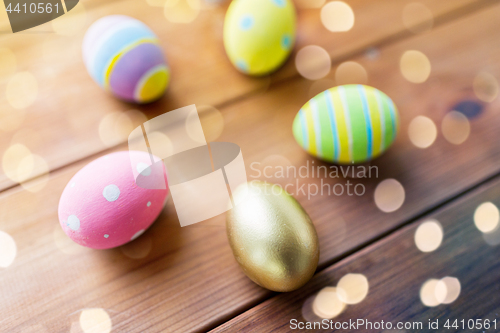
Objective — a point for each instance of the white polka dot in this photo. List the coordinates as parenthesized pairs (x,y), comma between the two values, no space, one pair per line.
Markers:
(246,22)
(242,65)
(280,3)
(106,236)
(73,222)
(137,234)
(149,203)
(73,184)
(111,192)
(143,169)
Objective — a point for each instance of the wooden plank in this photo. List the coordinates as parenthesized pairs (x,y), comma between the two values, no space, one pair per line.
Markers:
(189,280)
(396,270)
(62,126)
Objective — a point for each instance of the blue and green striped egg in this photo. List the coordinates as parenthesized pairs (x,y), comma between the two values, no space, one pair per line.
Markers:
(124,57)
(347,124)
(259,34)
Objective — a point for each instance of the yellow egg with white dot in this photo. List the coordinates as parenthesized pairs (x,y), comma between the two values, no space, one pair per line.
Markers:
(259,34)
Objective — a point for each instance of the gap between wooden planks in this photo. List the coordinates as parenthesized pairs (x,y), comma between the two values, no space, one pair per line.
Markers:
(62,125)
(190,281)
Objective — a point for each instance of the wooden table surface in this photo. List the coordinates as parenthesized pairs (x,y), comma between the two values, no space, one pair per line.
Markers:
(175,279)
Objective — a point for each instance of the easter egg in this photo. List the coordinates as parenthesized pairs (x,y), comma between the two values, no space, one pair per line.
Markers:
(347,124)
(103,207)
(259,34)
(124,56)
(272,237)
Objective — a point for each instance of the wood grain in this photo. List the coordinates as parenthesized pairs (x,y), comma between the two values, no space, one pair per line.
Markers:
(189,280)
(396,270)
(62,126)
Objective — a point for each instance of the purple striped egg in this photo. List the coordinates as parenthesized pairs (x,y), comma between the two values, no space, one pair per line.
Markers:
(124,56)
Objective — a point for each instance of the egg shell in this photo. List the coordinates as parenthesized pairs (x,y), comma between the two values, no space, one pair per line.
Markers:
(102,206)
(272,237)
(124,56)
(259,34)
(347,124)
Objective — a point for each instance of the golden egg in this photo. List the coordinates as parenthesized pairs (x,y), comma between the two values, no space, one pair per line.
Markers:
(272,237)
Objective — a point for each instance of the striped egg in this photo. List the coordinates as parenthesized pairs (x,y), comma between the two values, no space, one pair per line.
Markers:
(347,124)
(259,34)
(124,56)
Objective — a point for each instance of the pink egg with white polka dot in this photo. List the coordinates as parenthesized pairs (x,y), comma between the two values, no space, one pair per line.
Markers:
(106,204)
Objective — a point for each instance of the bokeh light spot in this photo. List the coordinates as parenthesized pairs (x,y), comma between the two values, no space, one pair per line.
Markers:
(455,127)
(415,66)
(8,249)
(161,142)
(486,217)
(115,127)
(181,11)
(327,304)
(12,159)
(313,62)
(33,166)
(429,236)
(211,120)
(337,16)
(447,290)
(95,321)
(22,90)
(422,132)
(389,195)
(428,293)
(352,288)
(351,72)
(485,87)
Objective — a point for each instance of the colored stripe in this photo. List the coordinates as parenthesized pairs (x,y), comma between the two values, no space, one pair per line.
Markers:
(345,108)
(99,32)
(327,139)
(331,113)
(129,34)
(393,118)
(392,114)
(310,129)
(368,121)
(317,127)
(297,130)
(377,133)
(111,64)
(304,129)
(152,84)
(343,127)
(380,110)
(131,68)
